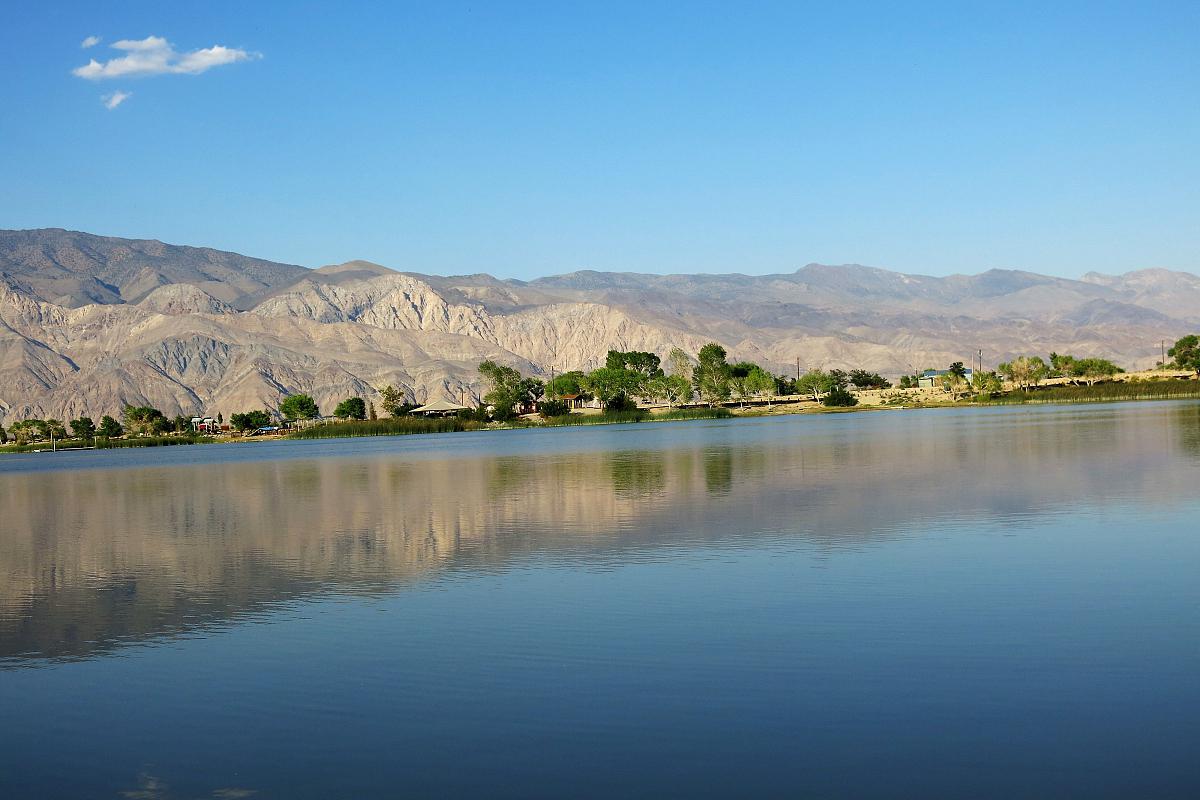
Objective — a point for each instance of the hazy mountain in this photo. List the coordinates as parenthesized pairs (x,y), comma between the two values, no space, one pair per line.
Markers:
(89,323)
(73,269)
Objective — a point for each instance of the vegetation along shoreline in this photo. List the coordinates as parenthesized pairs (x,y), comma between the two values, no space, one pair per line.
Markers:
(634,387)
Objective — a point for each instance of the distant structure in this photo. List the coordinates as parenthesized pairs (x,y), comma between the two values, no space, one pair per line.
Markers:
(439,408)
(929,378)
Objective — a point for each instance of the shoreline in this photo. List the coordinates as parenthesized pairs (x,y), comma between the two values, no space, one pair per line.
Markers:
(788,408)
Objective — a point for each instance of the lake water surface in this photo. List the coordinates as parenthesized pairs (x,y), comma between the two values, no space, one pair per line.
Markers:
(983,603)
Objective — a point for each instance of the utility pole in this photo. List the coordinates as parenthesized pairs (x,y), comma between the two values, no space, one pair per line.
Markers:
(797,367)
(981,360)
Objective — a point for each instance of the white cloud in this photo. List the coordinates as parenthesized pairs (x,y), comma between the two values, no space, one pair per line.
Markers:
(154,55)
(115,99)
(90,41)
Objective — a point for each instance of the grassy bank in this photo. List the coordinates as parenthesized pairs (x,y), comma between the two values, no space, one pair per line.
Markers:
(102,443)
(151,441)
(402,426)
(1103,392)
(399,426)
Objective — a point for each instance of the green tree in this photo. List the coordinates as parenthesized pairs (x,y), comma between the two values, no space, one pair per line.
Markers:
(815,382)
(506,390)
(392,400)
(83,428)
(299,406)
(3,435)
(55,429)
(1186,353)
(643,363)
(27,430)
(566,384)
(250,420)
(1091,370)
(1025,371)
(1060,366)
(371,415)
(679,365)
(351,408)
(985,384)
(613,386)
(142,420)
(954,381)
(109,427)
(861,379)
(711,375)
(532,390)
(739,387)
(761,383)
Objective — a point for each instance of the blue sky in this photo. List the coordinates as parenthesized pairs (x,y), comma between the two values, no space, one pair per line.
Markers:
(530,139)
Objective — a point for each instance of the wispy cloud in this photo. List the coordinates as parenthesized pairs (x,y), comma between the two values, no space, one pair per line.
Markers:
(154,55)
(115,99)
(90,41)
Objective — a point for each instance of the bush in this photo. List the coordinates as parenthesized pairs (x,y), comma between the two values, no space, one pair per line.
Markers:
(554,408)
(839,397)
(477,414)
(250,420)
(620,404)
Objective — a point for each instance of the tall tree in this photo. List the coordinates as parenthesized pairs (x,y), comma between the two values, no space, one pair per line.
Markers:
(83,428)
(392,400)
(565,384)
(351,408)
(815,383)
(711,375)
(506,390)
(299,406)
(109,427)
(1091,370)
(613,386)
(1025,371)
(679,364)
(1186,353)
(646,364)
(761,383)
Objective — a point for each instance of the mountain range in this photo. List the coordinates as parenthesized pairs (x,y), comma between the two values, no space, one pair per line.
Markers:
(91,323)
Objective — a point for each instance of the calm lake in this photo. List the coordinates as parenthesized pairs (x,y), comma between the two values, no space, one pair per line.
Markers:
(983,603)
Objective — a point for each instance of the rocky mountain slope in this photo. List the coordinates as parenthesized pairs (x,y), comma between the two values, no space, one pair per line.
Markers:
(88,323)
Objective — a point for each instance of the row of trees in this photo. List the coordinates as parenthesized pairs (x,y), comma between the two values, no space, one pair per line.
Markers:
(139,420)
(625,375)
(636,374)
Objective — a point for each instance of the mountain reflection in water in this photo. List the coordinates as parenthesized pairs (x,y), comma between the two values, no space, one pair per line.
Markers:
(93,559)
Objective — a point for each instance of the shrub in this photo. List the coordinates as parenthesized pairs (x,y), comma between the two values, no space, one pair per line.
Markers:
(554,408)
(839,397)
(620,404)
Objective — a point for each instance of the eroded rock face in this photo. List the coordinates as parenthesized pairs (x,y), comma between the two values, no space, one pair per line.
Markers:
(89,324)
